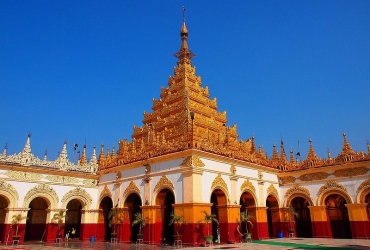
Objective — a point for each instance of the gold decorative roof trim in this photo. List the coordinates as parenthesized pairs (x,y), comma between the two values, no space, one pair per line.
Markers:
(349,172)
(272,190)
(314,176)
(164,182)
(288,179)
(297,189)
(79,194)
(247,185)
(20,175)
(192,161)
(131,188)
(331,185)
(105,193)
(42,190)
(9,192)
(218,182)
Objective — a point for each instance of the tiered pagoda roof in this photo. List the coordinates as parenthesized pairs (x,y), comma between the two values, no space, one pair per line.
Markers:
(186,118)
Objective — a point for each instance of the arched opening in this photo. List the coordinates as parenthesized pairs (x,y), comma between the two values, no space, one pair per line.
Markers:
(3,205)
(273,216)
(36,223)
(248,204)
(218,198)
(132,203)
(105,207)
(165,199)
(338,216)
(73,219)
(303,221)
(367,201)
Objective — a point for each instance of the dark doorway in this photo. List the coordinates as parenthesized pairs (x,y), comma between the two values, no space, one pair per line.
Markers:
(73,219)
(303,221)
(248,204)
(273,216)
(218,198)
(105,207)
(338,216)
(3,205)
(165,199)
(133,203)
(36,223)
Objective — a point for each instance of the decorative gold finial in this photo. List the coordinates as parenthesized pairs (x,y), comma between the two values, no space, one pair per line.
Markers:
(183,14)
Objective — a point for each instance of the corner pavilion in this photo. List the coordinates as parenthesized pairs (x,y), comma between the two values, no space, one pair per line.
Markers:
(185,159)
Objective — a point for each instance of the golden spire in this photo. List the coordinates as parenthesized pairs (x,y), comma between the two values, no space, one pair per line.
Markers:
(282,152)
(291,160)
(83,156)
(101,159)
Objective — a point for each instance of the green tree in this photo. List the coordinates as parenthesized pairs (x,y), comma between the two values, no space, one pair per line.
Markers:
(115,217)
(16,219)
(178,220)
(208,218)
(139,220)
(246,217)
(290,214)
(58,219)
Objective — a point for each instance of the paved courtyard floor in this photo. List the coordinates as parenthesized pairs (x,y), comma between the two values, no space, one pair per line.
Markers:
(280,243)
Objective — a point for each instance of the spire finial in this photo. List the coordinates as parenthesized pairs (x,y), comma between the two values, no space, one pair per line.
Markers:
(183,14)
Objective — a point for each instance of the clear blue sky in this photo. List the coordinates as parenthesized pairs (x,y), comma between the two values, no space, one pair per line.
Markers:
(76,70)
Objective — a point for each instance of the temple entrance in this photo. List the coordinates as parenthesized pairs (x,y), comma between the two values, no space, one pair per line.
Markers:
(218,198)
(3,205)
(73,219)
(36,223)
(248,204)
(273,216)
(165,199)
(104,230)
(367,201)
(338,216)
(132,203)
(303,226)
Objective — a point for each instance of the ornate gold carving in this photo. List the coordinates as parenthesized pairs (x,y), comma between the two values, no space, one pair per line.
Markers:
(363,190)
(42,190)
(79,194)
(288,179)
(218,182)
(9,192)
(62,179)
(314,176)
(272,190)
(90,183)
(131,188)
(349,172)
(232,169)
(105,193)
(192,161)
(331,185)
(247,185)
(20,175)
(297,189)
(164,182)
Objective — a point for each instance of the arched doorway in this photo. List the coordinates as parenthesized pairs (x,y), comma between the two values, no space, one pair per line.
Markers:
(218,198)
(132,204)
(36,223)
(248,204)
(303,221)
(165,199)
(3,205)
(73,219)
(338,216)
(273,216)
(367,201)
(104,230)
